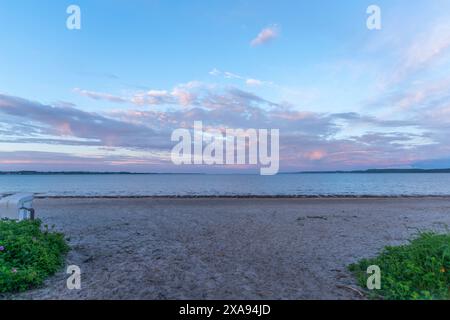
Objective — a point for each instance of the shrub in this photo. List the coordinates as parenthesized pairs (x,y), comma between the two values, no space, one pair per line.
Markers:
(29,253)
(419,270)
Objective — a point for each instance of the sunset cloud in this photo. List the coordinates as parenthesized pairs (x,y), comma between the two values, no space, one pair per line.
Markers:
(266,35)
(308,139)
(72,122)
(99,96)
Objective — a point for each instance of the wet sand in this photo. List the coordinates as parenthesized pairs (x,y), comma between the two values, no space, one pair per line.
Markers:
(227,248)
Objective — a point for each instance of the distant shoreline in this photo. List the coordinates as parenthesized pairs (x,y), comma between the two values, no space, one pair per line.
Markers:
(209,197)
(371,171)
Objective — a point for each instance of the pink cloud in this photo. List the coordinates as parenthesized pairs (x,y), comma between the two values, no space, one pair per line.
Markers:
(266,35)
(99,96)
(316,155)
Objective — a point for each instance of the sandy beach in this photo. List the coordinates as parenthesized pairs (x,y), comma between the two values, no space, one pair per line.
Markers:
(227,248)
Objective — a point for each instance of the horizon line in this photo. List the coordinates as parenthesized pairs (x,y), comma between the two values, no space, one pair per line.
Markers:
(374,170)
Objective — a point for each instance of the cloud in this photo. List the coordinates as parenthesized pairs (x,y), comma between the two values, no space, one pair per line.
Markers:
(99,96)
(309,140)
(60,161)
(187,95)
(266,35)
(254,82)
(72,122)
(230,75)
(215,72)
(428,47)
(315,154)
(414,89)
(153,97)
(251,82)
(419,55)
(417,96)
(183,94)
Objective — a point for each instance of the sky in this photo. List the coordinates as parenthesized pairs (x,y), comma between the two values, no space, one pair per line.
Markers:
(108,96)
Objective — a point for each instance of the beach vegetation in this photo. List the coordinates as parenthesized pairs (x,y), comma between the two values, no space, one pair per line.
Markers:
(419,270)
(29,253)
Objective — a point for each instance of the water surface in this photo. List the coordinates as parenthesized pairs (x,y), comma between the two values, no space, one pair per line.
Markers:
(323,184)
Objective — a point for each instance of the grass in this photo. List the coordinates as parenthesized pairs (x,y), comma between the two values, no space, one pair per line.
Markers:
(29,253)
(419,270)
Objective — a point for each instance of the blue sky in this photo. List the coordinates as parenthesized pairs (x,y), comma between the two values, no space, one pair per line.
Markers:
(343,96)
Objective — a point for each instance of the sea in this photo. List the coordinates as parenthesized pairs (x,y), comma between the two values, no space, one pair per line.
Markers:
(229,185)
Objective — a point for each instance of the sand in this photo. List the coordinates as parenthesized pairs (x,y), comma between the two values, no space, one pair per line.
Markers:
(227,248)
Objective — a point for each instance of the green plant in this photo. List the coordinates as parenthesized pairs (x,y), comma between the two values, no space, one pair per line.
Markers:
(419,270)
(29,253)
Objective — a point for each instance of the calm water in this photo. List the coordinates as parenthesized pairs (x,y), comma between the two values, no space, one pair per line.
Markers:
(228,185)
